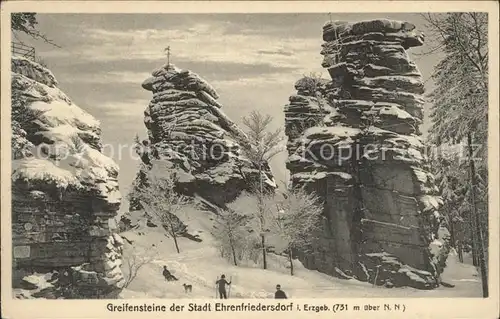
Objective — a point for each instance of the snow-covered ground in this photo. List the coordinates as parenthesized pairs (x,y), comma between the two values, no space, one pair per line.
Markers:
(200,264)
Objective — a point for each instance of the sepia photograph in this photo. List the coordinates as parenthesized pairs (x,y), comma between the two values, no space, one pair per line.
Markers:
(249,155)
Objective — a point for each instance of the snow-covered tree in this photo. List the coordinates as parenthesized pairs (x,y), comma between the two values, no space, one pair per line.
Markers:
(460,110)
(143,149)
(460,98)
(262,146)
(231,234)
(448,172)
(161,202)
(297,220)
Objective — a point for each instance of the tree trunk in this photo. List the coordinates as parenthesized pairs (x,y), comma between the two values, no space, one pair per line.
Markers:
(453,237)
(231,243)
(472,227)
(460,252)
(262,221)
(174,236)
(264,257)
(291,260)
(478,229)
(234,256)
(176,244)
(459,237)
(261,182)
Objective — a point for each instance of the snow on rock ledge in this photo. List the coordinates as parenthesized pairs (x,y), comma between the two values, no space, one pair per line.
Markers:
(64,190)
(363,155)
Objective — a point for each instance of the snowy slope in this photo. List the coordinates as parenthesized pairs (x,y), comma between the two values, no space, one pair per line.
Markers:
(200,264)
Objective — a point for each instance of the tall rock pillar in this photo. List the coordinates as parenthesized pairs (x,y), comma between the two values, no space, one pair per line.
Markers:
(190,136)
(363,154)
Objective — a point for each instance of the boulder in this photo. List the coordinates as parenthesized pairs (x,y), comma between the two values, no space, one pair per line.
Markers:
(64,190)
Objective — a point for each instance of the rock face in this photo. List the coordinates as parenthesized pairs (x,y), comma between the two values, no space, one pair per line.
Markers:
(64,190)
(190,136)
(355,141)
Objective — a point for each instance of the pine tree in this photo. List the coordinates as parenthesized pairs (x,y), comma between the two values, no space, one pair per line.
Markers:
(448,173)
(460,109)
(26,22)
(460,99)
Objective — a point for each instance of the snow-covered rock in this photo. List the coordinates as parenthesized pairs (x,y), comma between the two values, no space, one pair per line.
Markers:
(359,149)
(64,190)
(189,135)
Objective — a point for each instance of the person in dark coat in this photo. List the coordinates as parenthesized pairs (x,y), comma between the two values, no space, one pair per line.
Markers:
(168,276)
(222,286)
(279,294)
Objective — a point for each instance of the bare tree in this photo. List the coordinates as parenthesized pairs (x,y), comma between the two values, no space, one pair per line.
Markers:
(262,146)
(134,261)
(230,232)
(297,220)
(162,202)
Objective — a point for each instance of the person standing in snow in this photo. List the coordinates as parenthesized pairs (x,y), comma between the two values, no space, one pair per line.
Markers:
(279,294)
(222,286)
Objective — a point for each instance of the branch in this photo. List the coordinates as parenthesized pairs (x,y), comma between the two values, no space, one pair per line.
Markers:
(430,51)
(436,25)
(37,35)
(478,34)
(464,49)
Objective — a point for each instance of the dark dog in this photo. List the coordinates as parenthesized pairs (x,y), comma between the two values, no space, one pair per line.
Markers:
(187,288)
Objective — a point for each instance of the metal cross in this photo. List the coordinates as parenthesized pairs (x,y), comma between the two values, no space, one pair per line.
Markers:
(167,49)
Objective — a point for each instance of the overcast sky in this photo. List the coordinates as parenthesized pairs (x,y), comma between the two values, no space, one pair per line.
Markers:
(252,60)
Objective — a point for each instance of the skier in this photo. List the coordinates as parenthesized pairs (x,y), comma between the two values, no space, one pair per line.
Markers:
(279,294)
(168,276)
(222,286)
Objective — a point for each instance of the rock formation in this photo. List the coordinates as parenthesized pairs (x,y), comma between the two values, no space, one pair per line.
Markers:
(64,191)
(190,136)
(355,141)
